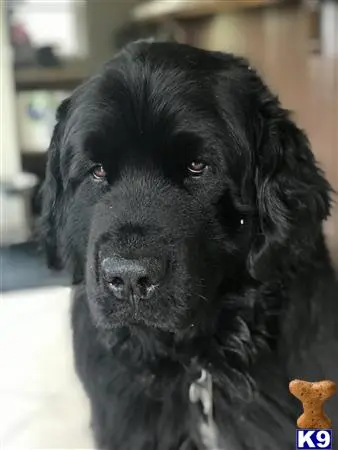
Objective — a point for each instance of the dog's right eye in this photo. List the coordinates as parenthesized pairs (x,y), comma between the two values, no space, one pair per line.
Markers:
(98,172)
(196,168)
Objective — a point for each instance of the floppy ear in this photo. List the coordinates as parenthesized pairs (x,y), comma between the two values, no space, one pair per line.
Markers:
(292,195)
(52,193)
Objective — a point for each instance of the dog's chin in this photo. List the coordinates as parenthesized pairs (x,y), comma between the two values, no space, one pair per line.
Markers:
(135,323)
(134,318)
(165,313)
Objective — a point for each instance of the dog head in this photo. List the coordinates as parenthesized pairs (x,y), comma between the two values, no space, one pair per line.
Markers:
(174,177)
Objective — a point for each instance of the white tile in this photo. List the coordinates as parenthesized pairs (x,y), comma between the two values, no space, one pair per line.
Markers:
(42,404)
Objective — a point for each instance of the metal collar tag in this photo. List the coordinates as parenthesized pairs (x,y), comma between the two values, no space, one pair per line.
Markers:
(201,391)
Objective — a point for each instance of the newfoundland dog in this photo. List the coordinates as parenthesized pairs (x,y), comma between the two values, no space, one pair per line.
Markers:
(188,208)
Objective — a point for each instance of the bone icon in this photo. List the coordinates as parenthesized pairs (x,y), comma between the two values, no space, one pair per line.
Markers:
(313,396)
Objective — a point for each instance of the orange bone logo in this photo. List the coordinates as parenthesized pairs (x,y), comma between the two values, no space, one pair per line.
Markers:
(313,396)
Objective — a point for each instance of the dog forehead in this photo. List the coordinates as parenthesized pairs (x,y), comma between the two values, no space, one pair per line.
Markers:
(124,116)
(137,103)
(159,79)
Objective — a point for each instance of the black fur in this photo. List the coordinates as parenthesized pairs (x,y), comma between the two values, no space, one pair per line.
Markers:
(255,303)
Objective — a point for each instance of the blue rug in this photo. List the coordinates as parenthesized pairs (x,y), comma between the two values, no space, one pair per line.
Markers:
(22,266)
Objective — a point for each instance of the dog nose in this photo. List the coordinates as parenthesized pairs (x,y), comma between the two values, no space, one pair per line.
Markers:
(132,278)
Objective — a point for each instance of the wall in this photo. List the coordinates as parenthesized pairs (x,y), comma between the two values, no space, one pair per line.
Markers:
(103,18)
(12,218)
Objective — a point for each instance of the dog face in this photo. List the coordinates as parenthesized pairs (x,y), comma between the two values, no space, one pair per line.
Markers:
(173,179)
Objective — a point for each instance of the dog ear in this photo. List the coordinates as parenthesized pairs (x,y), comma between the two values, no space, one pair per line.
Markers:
(52,192)
(292,195)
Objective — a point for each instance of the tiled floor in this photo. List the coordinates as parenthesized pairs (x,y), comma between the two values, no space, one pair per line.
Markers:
(42,405)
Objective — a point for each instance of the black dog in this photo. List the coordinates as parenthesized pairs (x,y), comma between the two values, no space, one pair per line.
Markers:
(188,208)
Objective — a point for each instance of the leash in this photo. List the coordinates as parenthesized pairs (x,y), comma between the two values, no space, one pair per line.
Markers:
(201,391)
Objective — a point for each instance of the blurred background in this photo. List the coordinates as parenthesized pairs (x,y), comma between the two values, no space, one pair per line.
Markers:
(48,47)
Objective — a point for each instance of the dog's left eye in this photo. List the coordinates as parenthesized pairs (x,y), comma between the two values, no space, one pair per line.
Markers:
(196,168)
(98,172)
